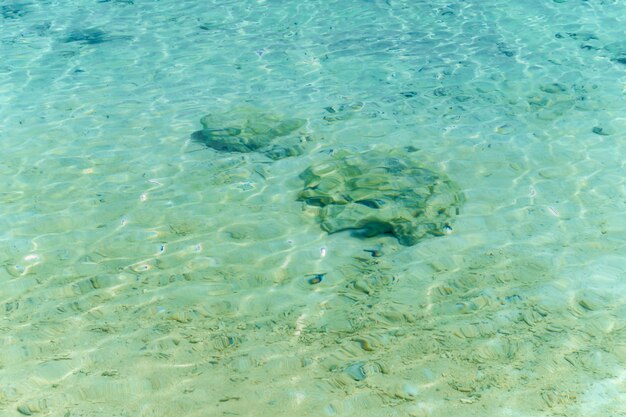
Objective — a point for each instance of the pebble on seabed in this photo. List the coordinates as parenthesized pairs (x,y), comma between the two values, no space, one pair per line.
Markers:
(316,279)
(356,371)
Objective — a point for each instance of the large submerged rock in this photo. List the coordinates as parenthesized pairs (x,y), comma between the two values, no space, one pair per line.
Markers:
(377,193)
(248,129)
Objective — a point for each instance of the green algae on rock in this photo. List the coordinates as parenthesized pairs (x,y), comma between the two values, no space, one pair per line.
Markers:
(248,129)
(376,193)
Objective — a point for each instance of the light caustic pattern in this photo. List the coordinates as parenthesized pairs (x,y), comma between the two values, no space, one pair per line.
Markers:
(144,274)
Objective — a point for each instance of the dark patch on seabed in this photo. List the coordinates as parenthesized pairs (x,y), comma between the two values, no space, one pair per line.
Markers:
(592,42)
(88,36)
(92,36)
(13,11)
(249,129)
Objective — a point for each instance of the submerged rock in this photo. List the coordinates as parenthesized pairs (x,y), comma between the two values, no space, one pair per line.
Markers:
(89,36)
(356,371)
(251,130)
(377,193)
(14,11)
(553,100)
(617,51)
(93,36)
(342,111)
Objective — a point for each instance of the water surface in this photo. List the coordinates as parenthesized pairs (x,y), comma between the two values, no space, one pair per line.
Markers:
(143,274)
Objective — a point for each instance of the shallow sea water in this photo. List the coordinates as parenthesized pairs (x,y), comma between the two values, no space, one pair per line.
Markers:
(142,274)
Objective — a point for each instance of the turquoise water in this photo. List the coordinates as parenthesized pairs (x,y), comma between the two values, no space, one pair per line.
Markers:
(144,274)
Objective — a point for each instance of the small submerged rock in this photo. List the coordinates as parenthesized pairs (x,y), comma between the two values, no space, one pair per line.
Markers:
(342,111)
(14,11)
(376,193)
(356,371)
(551,101)
(617,52)
(248,129)
(600,131)
(315,278)
(88,36)
(375,253)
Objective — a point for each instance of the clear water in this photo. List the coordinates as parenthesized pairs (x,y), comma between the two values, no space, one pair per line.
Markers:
(142,274)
